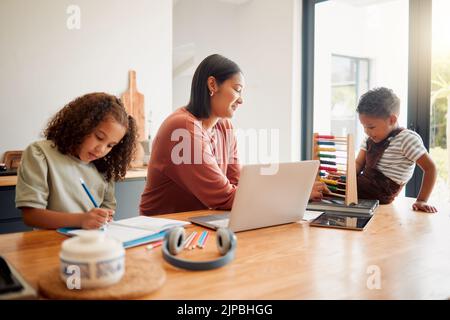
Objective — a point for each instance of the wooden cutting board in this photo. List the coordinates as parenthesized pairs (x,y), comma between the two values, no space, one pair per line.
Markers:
(134,104)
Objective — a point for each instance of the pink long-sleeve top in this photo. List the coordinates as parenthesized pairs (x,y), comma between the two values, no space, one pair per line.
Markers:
(190,167)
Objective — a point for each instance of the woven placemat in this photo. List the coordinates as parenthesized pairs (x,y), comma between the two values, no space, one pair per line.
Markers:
(142,277)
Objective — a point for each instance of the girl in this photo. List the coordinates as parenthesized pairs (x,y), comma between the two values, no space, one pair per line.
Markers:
(91,138)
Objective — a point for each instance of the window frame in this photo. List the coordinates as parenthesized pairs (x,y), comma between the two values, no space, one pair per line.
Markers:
(356,83)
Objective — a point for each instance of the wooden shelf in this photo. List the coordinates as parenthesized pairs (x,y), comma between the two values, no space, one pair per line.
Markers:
(8,181)
(136,173)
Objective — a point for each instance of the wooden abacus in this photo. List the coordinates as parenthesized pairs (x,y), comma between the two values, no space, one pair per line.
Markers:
(337,165)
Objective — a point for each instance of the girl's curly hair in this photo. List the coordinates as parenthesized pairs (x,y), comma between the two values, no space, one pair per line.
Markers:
(73,123)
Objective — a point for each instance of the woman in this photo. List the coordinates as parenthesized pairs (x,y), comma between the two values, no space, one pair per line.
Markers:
(194,163)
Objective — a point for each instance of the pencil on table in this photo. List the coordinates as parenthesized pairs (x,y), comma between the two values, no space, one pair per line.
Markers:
(200,240)
(188,241)
(193,242)
(204,240)
(154,245)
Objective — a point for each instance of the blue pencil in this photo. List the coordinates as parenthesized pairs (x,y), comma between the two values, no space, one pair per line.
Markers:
(200,240)
(92,199)
(204,240)
(88,193)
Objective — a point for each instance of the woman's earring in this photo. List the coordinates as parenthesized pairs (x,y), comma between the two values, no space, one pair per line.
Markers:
(211,93)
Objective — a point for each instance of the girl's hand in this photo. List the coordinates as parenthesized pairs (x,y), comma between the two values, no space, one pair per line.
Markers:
(423,206)
(111,215)
(317,191)
(96,218)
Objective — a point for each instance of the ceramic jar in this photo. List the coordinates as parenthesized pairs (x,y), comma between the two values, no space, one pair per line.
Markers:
(98,260)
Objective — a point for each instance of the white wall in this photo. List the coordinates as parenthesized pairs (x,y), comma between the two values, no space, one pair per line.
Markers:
(259,35)
(44,65)
(201,28)
(378,31)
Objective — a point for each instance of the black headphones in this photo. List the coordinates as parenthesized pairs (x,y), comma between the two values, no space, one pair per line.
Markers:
(174,244)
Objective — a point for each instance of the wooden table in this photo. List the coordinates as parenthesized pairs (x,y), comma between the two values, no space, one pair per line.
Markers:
(411,250)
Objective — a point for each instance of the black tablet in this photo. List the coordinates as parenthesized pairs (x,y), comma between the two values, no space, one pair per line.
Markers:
(12,285)
(341,220)
(8,282)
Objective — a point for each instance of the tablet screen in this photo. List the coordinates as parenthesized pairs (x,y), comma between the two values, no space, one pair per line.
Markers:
(341,220)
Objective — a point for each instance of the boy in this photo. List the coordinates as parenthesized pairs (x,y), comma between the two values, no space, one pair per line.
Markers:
(389,153)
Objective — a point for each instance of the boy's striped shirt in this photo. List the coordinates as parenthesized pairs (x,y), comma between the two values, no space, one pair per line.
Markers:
(399,159)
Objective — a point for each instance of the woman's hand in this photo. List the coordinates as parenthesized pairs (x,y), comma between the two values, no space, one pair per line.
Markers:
(423,206)
(318,189)
(96,218)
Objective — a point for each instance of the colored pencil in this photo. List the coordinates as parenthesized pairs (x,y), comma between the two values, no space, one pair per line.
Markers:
(188,241)
(194,240)
(88,193)
(200,240)
(154,245)
(83,184)
(204,240)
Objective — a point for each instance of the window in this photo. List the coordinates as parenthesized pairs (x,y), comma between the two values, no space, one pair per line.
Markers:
(395,38)
(345,31)
(440,99)
(349,80)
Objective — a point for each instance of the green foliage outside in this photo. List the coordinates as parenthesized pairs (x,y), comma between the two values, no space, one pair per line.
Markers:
(440,95)
(439,156)
(440,100)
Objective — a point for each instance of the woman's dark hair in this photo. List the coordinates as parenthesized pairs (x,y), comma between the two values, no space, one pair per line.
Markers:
(214,65)
(379,102)
(73,123)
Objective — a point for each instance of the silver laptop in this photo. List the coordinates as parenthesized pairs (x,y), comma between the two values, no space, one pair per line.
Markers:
(266,198)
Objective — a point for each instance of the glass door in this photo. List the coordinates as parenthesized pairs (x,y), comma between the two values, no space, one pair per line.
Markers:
(350,46)
(440,98)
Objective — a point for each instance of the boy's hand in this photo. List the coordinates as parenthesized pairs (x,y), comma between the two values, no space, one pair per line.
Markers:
(317,191)
(423,206)
(96,218)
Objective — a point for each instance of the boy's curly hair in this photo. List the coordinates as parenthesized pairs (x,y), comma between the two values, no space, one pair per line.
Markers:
(379,102)
(73,123)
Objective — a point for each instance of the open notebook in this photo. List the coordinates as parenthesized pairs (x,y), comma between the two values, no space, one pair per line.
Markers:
(134,231)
